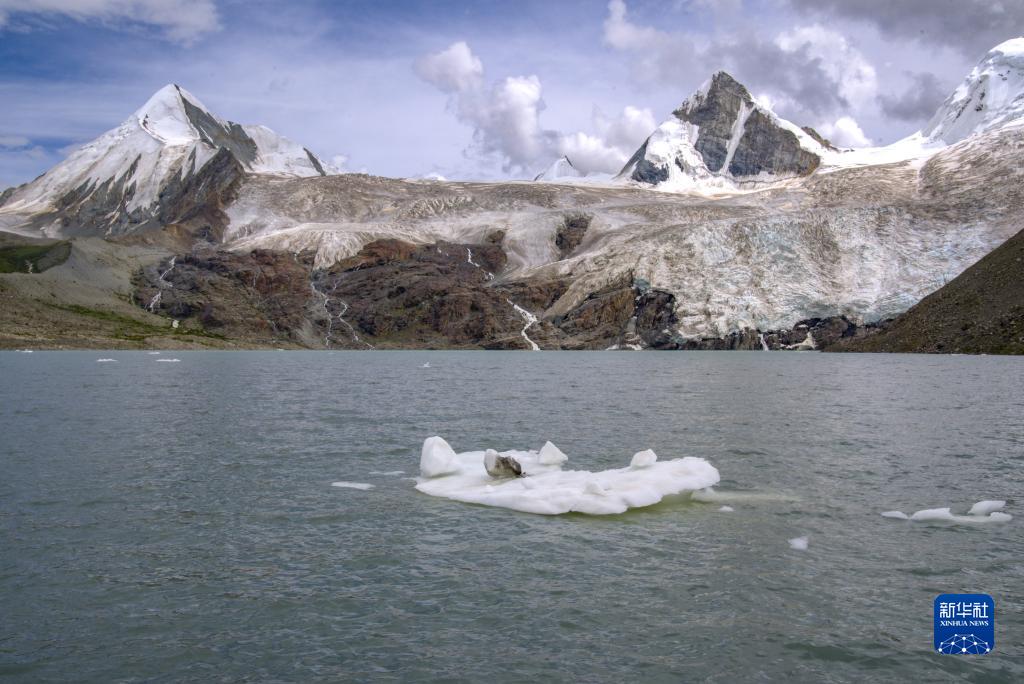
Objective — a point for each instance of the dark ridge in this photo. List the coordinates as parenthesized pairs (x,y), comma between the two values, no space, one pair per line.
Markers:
(315,162)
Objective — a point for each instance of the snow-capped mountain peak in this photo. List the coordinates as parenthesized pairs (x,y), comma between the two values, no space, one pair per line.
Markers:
(150,169)
(719,138)
(991,96)
(164,115)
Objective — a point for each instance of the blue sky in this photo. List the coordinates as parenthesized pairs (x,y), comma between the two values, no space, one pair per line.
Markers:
(370,84)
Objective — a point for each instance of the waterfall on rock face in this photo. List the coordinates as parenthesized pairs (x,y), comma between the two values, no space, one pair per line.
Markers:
(161,283)
(331,317)
(530,320)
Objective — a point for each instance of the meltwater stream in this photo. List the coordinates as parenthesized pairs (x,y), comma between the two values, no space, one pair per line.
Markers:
(177,521)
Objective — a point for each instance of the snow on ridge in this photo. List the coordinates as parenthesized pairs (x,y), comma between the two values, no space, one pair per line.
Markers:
(990,96)
(276,154)
(164,116)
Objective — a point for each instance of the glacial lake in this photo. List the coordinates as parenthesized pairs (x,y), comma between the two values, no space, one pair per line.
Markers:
(168,521)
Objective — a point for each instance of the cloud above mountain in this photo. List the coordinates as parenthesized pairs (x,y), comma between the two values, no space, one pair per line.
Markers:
(506,118)
(971,26)
(454,69)
(181,21)
(919,101)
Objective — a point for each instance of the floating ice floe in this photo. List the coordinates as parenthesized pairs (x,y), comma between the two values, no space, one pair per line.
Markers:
(798,543)
(106,360)
(727,509)
(394,473)
(154,353)
(546,489)
(982,512)
(168,360)
(353,485)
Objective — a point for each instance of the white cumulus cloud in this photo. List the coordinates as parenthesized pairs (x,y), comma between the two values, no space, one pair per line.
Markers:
(506,118)
(858,82)
(622,34)
(844,132)
(616,140)
(454,69)
(507,121)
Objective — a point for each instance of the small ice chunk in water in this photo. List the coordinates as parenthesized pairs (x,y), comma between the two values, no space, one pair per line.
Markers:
(106,360)
(798,543)
(437,458)
(644,459)
(932,514)
(169,360)
(986,507)
(944,514)
(727,509)
(353,485)
(549,454)
(899,515)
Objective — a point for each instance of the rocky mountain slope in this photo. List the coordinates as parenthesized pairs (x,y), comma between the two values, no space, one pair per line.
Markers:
(981,311)
(774,239)
(721,138)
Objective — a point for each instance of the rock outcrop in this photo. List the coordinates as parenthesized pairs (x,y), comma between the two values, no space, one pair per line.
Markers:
(500,466)
(259,297)
(570,234)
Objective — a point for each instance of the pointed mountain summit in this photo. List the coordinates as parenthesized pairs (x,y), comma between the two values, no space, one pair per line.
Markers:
(991,96)
(720,137)
(171,161)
